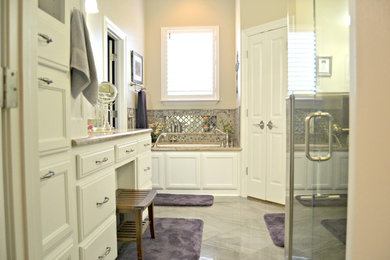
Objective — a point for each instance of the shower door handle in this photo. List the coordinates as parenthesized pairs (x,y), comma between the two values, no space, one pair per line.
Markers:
(307,136)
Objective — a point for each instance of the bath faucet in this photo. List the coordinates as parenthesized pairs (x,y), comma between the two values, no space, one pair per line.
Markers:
(226,136)
(159,137)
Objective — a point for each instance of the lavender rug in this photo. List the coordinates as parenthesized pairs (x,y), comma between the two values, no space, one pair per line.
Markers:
(275,225)
(183,200)
(338,227)
(176,239)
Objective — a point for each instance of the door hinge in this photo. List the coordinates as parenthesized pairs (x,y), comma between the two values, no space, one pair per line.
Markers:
(9,88)
(247,54)
(247,113)
(247,171)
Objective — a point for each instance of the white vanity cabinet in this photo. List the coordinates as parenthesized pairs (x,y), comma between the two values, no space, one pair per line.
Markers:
(103,164)
(332,177)
(211,172)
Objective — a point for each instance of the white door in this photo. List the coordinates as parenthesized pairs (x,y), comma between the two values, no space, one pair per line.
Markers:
(267,64)
(3,246)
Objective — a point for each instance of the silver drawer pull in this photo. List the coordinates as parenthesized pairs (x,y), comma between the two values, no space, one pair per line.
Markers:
(108,250)
(105,159)
(99,204)
(48,175)
(145,145)
(146,169)
(130,151)
(46,80)
(46,37)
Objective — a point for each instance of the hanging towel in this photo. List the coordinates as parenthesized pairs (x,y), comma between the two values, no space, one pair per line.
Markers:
(82,64)
(141,116)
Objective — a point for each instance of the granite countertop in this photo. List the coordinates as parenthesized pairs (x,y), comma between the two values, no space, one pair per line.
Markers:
(320,147)
(98,137)
(195,148)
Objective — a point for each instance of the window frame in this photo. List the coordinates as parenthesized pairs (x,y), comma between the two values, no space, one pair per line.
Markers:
(214,97)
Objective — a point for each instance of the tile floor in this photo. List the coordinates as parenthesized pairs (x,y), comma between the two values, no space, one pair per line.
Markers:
(234,228)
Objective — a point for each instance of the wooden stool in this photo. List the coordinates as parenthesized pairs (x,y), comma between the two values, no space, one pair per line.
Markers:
(135,201)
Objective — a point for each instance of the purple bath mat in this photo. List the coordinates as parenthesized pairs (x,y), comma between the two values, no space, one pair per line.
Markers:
(275,225)
(176,239)
(338,228)
(183,200)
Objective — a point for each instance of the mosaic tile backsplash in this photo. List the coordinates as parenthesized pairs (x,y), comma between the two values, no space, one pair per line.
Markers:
(196,121)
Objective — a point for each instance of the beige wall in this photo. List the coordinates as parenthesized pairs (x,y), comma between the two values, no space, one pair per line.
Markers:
(256,12)
(368,204)
(332,32)
(170,13)
(128,15)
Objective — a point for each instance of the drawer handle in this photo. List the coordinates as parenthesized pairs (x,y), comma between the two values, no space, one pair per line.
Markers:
(46,37)
(48,175)
(145,145)
(130,151)
(146,169)
(99,204)
(46,80)
(105,159)
(108,250)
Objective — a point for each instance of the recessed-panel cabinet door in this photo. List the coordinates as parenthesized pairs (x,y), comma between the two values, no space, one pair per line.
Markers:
(53,108)
(55,204)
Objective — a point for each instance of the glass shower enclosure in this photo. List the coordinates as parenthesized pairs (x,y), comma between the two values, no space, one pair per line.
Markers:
(317,129)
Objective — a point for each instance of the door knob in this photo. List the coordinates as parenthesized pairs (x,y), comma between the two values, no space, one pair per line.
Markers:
(261,125)
(270,125)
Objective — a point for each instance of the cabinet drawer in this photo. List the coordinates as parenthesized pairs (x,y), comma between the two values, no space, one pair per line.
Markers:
(55,204)
(144,145)
(103,245)
(53,109)
(96,202)
(144,175)
(90,162)
(53,41)
(125,151)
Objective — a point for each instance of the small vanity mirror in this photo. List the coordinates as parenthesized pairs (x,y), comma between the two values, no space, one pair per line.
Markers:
(107,93)
(106,97)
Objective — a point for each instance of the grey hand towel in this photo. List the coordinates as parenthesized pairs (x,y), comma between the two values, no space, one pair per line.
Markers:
(82,64)
(141,117)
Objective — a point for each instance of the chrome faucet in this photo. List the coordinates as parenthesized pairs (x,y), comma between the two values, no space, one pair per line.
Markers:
(226,137)
(159,137)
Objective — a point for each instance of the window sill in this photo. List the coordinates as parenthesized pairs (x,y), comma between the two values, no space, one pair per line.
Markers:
(190,101)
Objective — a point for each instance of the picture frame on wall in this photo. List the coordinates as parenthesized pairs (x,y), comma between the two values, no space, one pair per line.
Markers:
(137,65)
(324,66)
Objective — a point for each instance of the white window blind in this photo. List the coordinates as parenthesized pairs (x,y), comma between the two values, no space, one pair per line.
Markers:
(302,62)
(189,71)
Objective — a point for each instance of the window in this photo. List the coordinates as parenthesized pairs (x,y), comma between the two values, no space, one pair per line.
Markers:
(302,62)
(189,64)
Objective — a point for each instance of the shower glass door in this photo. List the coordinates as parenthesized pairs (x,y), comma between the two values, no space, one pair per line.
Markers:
(318,129)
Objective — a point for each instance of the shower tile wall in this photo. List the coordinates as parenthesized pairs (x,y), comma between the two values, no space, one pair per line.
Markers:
(197,120)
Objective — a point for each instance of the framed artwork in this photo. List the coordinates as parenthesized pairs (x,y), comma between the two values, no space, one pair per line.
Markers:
(137,63)
(324,66)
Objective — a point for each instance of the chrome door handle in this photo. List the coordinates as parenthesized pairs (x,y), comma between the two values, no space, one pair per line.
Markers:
(46,37)
(146,169)
(46,80)
(99,204)
(261,125)
(130,151)
(270,125)
(48,175)
(145,145)
(108,250)
(307,136)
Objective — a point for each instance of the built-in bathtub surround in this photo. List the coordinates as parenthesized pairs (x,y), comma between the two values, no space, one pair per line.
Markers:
(197,121)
